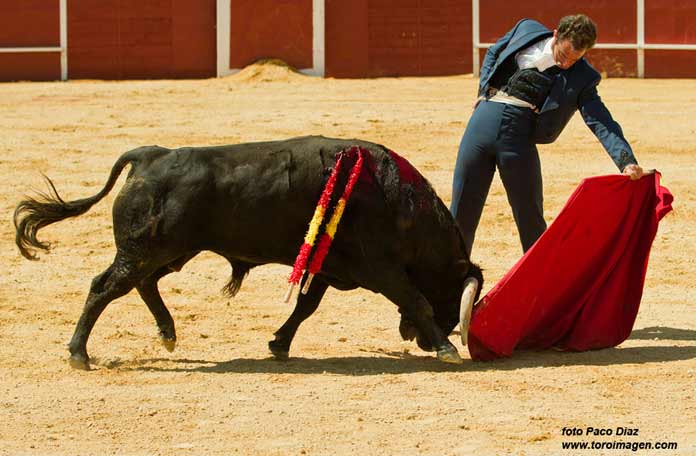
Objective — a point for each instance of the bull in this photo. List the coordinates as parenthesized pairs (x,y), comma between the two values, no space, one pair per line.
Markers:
(251,204)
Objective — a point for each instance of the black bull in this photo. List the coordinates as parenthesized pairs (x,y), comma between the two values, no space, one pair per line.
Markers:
(251,204)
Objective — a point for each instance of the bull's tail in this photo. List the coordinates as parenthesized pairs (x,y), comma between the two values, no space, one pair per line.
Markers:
(32,214)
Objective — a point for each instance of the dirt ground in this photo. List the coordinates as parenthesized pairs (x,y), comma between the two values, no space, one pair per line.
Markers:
(352,385)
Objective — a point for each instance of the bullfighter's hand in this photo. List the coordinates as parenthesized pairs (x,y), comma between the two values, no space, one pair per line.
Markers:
(633,171)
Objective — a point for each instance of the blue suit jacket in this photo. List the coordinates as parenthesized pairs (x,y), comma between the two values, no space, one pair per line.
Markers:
(573,89)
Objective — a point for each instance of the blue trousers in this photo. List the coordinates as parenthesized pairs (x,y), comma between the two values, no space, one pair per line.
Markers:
(499,135)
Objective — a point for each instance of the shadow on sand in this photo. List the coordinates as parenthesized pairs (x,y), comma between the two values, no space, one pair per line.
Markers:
(385,362)
(663,333)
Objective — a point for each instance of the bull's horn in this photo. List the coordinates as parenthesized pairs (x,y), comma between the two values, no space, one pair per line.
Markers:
(470,289)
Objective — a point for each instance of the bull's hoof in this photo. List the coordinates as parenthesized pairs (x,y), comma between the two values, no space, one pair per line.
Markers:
(280,355)
(79,362)
(449,354)
(169,344)
(280,352)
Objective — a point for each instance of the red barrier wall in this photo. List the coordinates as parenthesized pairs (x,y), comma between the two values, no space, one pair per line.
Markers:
(619,63)
(132,39)
(346,39)
(670,21)
(670,64)
(397,37)
(261,29)
(29,23)
(30,66)
(121,39)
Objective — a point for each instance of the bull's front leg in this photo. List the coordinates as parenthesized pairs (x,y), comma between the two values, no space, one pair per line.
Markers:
(306,305)
(418,313)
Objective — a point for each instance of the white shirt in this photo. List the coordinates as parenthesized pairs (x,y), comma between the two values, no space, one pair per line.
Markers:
(537,55)
(540,56)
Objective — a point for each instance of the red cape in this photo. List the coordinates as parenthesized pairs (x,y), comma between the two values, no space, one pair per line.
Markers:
(579,286)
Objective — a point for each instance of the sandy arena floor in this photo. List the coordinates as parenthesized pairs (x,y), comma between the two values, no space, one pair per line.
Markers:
(352,385)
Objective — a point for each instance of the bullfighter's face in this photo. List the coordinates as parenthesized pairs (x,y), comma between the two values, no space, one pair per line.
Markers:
(564,54)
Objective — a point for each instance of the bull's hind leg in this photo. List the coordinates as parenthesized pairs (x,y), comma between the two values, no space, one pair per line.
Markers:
(416,308)
(149,292)
(116,281)
(306,305)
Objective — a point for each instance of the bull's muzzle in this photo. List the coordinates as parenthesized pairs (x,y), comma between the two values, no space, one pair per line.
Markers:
(470,290)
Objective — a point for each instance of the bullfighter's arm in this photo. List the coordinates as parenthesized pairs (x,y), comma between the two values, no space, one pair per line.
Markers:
(598,119)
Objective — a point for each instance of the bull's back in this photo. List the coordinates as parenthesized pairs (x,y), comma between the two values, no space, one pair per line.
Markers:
(269,191)
(251,201)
